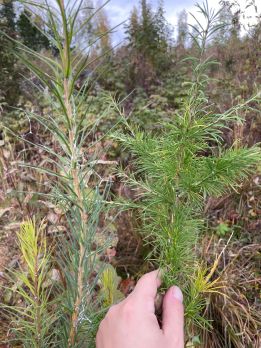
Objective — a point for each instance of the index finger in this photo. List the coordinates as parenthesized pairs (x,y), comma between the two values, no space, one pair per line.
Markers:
(146,289)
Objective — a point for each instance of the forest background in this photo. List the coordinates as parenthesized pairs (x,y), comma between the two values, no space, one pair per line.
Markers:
(146,75)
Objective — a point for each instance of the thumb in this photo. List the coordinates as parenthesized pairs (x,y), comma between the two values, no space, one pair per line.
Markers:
(173,316)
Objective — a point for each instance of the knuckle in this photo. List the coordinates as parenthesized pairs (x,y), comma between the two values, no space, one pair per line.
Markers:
(178,342)
(144,278)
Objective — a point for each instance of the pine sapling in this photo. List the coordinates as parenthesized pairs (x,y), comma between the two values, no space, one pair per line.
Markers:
(74,186)
(33,318)
(178,169)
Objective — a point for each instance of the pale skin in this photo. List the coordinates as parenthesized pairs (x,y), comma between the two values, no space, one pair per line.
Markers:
(132,323)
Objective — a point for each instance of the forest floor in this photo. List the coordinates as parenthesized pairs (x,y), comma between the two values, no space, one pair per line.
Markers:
(237,213)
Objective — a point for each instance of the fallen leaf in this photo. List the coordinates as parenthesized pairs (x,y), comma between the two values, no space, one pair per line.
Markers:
(4,210)
(127,286)
(12,226)
(56,229)
(52,218)
(111,252)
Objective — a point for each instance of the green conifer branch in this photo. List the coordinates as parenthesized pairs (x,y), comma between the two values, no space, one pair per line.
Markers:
(33,320)
(174,176)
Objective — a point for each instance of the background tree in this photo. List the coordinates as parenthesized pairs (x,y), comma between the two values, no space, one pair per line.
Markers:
(9,77)
(86,35)
(30,35)
(182,29)
(103,31)
(148,35)
(225,19)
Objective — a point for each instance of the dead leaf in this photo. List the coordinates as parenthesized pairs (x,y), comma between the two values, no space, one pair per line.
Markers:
(6,154)
(127,286)
(55,275)
(111,252)
(52,218)
(56,229)
(4,210)
(12,226)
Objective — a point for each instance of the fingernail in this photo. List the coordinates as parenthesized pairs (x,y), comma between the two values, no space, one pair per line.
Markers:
(177,293)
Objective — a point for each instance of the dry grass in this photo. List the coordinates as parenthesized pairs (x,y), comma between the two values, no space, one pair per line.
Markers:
(235,316)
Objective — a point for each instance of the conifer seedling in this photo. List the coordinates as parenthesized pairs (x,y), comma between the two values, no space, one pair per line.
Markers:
(178,169)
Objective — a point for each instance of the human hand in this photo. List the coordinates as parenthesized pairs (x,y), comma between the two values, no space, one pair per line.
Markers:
(132,323)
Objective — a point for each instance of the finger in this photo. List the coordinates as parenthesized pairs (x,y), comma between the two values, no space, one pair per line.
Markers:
(148,284)
(173,315)
(146,289)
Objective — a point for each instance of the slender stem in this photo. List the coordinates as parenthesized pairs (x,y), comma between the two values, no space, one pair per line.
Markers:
(67,70)
(37,301)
